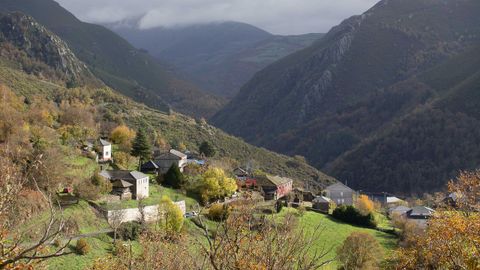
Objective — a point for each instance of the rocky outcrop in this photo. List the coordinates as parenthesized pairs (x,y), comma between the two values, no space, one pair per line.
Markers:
(23,33)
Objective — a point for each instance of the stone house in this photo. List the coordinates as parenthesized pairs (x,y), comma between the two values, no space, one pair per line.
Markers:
(340,194)
(125,182)
(164,161)
(322,204)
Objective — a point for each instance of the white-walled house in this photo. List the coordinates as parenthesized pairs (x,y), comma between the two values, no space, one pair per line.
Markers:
(105,150)
(139,183)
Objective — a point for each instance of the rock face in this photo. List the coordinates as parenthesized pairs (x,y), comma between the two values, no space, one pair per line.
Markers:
(117,63)
(354,84)
(26,35)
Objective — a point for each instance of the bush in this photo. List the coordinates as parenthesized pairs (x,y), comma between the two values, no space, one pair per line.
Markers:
(82,247)
(87,191)
(57,243)
(130,230)
(351,215)
(218,212)
(359,251)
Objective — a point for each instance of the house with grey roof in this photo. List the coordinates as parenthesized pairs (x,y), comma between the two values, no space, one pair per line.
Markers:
(340,194)
(161,163)
(322,204)
(128,183)
(398,210)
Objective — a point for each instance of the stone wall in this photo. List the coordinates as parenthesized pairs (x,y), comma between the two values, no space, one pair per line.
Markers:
(133,214)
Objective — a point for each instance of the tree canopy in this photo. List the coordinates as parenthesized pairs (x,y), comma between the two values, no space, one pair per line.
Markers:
(141,146)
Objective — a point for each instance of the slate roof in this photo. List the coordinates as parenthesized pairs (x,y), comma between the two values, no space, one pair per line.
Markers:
(420,211)
(400,208)
(172,154)
(338,186)
(150,165)
(269,180)
(321,199)
(105,142)
(121,183)
(123,175)
(178,153)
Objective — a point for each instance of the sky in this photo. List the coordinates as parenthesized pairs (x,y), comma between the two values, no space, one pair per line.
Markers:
(275,16)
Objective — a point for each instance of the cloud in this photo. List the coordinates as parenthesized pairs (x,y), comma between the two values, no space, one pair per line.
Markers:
(276,16)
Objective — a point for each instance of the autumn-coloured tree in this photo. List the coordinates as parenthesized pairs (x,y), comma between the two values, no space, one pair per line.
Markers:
(452,238)
(123,135)
(365,205)
(359,251)
(170,217)
(216,184)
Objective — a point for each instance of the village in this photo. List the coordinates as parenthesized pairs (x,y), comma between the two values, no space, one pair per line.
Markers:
(274,190)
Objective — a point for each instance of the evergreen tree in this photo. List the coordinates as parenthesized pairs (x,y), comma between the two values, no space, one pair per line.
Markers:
(141,146)
(173,178)
(207,149)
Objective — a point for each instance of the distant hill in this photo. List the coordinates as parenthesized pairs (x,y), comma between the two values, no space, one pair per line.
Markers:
(387,101)
(117,63)
(219,57)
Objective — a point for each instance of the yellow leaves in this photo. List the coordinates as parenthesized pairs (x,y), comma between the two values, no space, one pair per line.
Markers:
(215,184)
(122,135)
(365,205)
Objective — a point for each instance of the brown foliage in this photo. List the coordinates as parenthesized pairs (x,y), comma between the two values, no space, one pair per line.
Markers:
(359,251)
(452,238)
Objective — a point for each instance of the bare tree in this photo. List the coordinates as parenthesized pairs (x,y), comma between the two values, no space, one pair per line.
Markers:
(247,241)
(115,219)
(14,250)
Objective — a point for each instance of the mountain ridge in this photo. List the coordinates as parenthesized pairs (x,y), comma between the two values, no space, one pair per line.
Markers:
(117,63)
(327,99)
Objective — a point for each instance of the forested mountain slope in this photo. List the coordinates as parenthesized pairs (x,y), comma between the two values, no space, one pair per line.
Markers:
(366,81)
(46,115)
(118,64)
(219,57)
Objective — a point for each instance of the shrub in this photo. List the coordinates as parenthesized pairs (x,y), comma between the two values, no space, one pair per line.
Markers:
(57,243)
(218,212)
(87,191)
(172,216)
(351,215)
(130,230)
(359,251)
(82,247)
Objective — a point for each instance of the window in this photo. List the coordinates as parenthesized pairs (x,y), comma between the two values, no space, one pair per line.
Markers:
(341,193)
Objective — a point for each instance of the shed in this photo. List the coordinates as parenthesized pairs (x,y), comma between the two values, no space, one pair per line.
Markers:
(322,204)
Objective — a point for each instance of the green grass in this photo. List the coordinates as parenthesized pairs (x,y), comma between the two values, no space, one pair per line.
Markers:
(156,194)
(85,218)
(99,248)
(335,232)
(80,166)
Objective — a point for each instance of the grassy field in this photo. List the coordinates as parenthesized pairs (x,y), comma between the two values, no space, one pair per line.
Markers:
(156,194)
(335,232)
